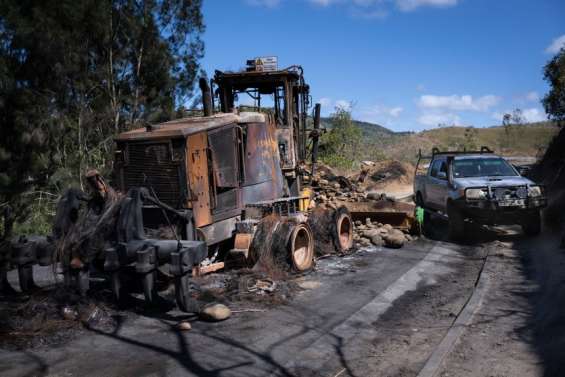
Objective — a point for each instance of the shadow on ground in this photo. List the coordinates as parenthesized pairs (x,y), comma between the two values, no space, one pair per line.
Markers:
(543,264)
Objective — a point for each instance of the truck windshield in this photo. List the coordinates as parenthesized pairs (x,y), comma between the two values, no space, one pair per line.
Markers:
(482,167)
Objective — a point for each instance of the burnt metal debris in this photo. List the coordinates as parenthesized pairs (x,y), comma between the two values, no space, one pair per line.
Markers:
(232,185)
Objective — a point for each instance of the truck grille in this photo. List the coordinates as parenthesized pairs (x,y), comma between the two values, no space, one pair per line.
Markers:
(502,193)
(151,166)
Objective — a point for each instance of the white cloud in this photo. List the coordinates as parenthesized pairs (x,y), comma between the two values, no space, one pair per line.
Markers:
(534,115)
(395,111)
(325,102)
(530,115)
(410,5)
(532,96)
(359,3)
(329,105)
(555,46)
(264,3)
(433,119)
(343,104)
(460,103)
(379,114)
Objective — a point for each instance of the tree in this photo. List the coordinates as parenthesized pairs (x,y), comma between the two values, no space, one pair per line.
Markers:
(74,73)
(554,74)
(340,146)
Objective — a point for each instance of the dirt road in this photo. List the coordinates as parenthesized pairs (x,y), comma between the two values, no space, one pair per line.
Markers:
(379,312)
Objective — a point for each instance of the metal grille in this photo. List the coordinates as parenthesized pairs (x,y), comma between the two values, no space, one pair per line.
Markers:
(501,193)
(151,165)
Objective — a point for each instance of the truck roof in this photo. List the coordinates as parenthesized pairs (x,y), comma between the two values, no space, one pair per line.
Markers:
(188,126)
(475,156)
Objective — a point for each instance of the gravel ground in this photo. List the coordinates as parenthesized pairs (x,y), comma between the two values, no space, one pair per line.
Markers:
(519,329)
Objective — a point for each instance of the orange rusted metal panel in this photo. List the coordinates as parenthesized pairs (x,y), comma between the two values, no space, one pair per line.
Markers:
(197,169)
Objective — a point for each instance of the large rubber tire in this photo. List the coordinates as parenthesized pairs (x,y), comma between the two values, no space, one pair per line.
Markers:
(531,224)
(456,223)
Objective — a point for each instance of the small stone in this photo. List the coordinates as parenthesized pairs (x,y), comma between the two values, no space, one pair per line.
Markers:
(69,313)
(215,312)
(184,326)
(323,182)
(322,198)
(337,185)
(388,227)
(309,284)
(358,222)
(368,221)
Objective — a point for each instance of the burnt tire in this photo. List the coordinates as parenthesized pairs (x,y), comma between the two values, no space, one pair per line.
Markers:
(301,248)
(531,224)
(342,231)
(456,223)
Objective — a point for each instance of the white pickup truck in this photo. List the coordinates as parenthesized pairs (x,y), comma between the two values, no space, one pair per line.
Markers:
(478,186)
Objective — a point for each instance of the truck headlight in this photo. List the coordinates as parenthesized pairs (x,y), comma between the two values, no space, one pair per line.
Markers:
(475,193)
(534,191)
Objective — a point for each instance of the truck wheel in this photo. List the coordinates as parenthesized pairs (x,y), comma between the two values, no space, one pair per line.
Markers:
(301,247)
(456,223)
(531,224)
(343,237)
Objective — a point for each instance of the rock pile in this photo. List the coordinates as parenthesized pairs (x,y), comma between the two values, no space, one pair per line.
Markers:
(377,234)
(332,190)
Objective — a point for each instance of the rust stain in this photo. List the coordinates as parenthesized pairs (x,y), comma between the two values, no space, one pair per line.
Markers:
(197,168)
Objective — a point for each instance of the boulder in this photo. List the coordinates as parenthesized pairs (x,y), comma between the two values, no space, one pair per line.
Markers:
(371,233)
(377,240)
(394,239)
(215,312)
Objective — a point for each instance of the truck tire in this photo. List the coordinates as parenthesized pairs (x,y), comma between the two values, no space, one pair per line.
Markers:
(531,223)
(456,222)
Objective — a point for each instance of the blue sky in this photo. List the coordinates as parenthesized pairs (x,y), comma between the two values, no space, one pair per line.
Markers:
(405,64)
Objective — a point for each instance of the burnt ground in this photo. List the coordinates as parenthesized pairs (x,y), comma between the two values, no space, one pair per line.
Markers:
(378,312)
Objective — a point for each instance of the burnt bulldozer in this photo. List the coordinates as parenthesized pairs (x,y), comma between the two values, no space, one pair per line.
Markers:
(198,194)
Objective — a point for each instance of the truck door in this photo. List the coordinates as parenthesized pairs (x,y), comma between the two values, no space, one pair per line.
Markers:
(223,145)
(437,185)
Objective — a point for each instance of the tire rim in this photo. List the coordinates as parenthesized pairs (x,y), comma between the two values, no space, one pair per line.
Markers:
(345,232)
(301,247)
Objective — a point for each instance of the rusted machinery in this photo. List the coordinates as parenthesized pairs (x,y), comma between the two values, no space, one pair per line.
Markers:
(224,184)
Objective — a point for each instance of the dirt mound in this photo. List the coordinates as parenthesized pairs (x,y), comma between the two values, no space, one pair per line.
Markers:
(389,175)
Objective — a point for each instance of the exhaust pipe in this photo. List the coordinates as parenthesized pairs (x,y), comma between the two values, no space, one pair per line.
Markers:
(206,96)
(315,135)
